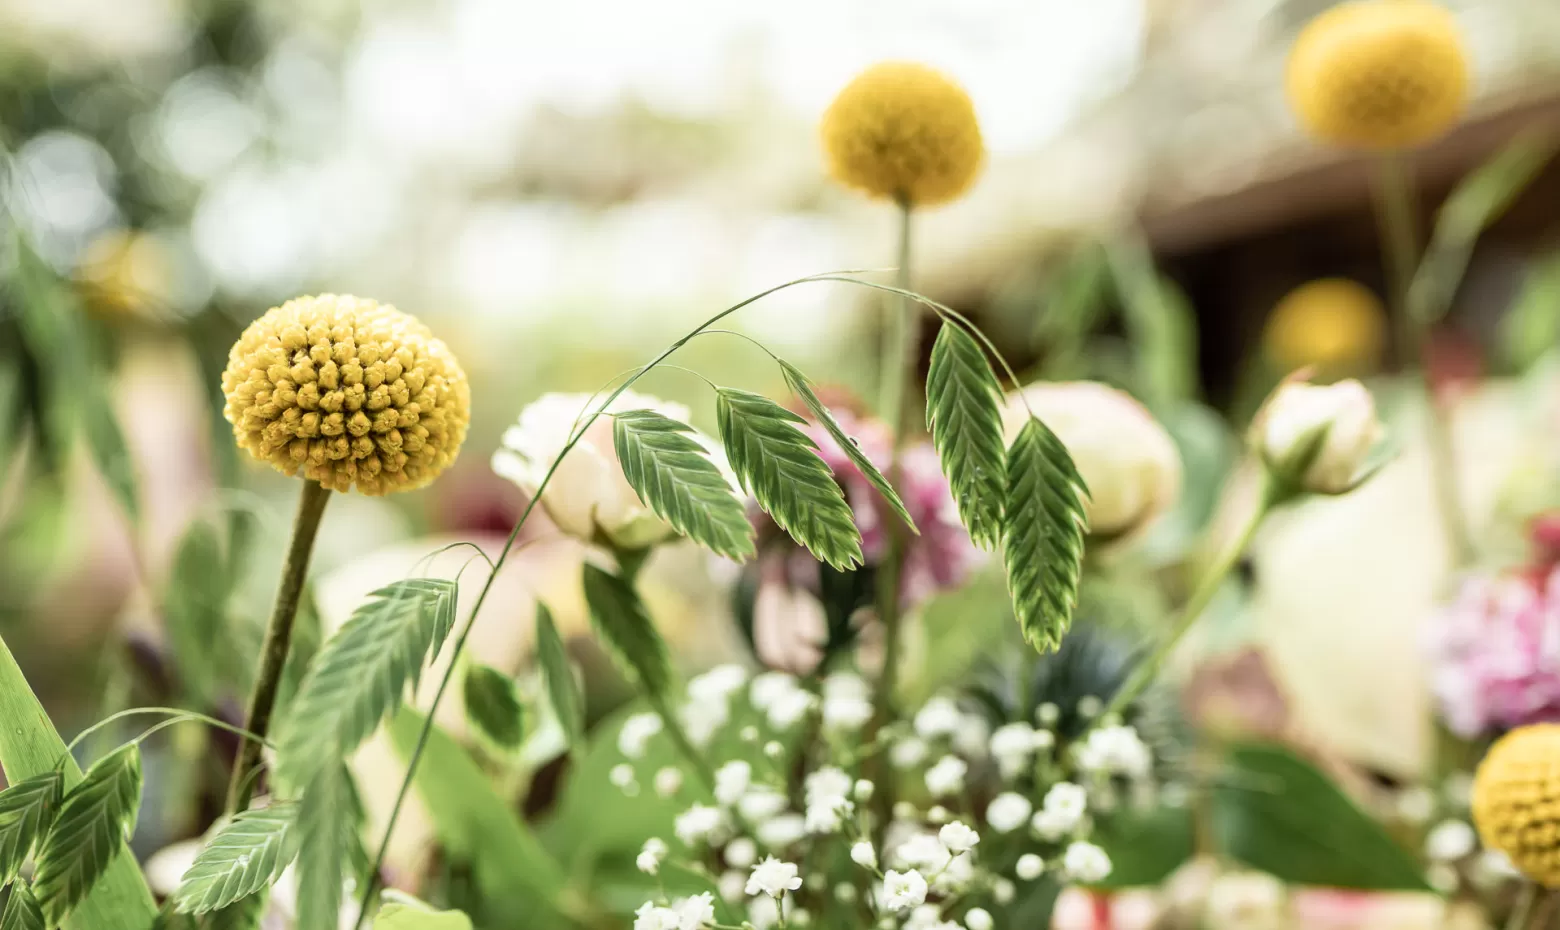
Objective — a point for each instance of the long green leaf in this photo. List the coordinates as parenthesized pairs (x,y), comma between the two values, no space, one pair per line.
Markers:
(625,628)
(493,706)
(674,476)
(964,414)
(94,821)
(404,917)
(243,914)
(26,810)
(326,823)
(29,746)
(361,672)
(562,690)
(779,465)
(106,442)
(193,608)
(803,388)
(247,854)
(1042,534)
(22,911)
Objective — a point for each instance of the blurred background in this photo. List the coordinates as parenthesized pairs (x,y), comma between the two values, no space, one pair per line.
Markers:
(561,189)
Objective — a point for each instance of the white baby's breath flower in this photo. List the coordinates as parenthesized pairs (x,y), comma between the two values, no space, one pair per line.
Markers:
(923,851)
(668,781)
(1062,811)
(718,684)
(770,686)
(1008,811)
(732,780)
(789,708)
(763,912)
(1318,436)
(702,719)
(904,810)
(862,853)
(760,803)
(741,853)
(622,776)
(1115,750)
(774,749)
(845,893)
(1047,714)
(828,815)
(862,790)
(925,917)
(956,876)
(908,753)
(730,885)
(1013,746)
(781,831)
(938,717)
(826,784)
(903,890)
(773,877)
(846,712)
(978,918)
(845,684)
(650,855)
(635,735)
(1052,825)
(1449,841)
(651,917)
(699,824)
(1002,890)
(1029,867)
(946,777)
(970,739)
(1086,863)
(696,912)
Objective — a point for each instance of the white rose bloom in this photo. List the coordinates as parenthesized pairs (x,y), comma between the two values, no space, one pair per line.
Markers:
(760,804)
(649,859)
(698,824)
(1085,862)
(650,917)
(1126,458)
(695,913)
(781,831)
(903,890)
(773,877)
(958,837)
(978,918)
(1029,867)
(635,735)
(1008,811)
(946,777)
(862,853)
(938,717)
(1341,417)
(588,493)
(1449,841)
(732,780)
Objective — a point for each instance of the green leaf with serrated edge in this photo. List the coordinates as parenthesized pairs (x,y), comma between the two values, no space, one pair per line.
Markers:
(362,671)
(27,809)
(243,914)
(90,829)
(493,707)
(562,690)
(803,389)
(405,917)
(1042,534)
(247,854)
(780,466)
(674,476)
(624,627)
(964,414)
(22,911)
(325,823)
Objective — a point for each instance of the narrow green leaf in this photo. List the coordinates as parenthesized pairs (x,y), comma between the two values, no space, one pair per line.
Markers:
(106,441)
(674,476)
(247,854)
(493,706)
(405,917)
(803,388)
(325,825)
(193,608)
(361,672)
(562,690)
(22,911)
(95,819)
(964,414)
(779,465)
(1042,534)
(625,628)
(27,809)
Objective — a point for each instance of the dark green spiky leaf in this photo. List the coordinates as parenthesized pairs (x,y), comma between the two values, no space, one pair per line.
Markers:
(362,671)
(326,827)
(93,822)
(1042,534)
(562,690)
(964,414)
(26,810)
(407,917)
(22,911)
(625,628)
(247,854)
(803,388)
(493,706)
(674,476)
(779,465)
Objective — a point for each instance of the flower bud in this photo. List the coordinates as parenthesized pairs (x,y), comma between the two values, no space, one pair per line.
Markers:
(1317,437)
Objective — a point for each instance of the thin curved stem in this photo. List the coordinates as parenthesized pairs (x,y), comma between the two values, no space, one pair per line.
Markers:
(179,715)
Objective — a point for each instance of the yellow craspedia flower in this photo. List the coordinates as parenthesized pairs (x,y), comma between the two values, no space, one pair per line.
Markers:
(904,131)
(349,392)
(1379,74)
(1516,800)
(1334,324)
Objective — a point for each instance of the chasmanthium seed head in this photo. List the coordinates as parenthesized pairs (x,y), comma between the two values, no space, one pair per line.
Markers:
(348,392)
(1379,74)
(1516,800)
(903,131)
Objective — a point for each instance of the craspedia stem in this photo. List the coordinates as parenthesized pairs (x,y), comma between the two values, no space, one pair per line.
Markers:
(278,641)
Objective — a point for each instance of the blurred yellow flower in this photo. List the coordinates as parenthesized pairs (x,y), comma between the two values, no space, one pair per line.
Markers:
(1379,74)
(1516,800)
(905,131)
(126,272)
(1334,324)
(348,391)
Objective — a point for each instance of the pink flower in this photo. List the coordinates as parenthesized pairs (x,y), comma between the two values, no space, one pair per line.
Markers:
(1495,652)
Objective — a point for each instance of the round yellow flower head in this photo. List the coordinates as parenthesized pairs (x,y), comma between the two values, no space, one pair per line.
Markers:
(350,392)
(1334,324)
(905,131)
(1516,800)
(1379,74)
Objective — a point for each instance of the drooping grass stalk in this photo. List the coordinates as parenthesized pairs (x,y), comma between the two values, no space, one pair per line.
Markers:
(278,641)
(1397,217)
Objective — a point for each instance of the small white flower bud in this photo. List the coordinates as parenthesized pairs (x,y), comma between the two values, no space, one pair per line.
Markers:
(978,918)
(1318,437)
(1029,867)
(863,854)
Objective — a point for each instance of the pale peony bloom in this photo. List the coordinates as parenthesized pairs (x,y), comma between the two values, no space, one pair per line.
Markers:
(903,890)
(636,733)
(588,497)
(741,853)
(651,917)
(946,777)
(732,780)
(781,831)
(699,824)
(862,853)
(1008,811)
(773,877)
(1318,436)
(1123,454)
(696,912)
(958,837)
(1029,867)
(1086,863)
(650,856)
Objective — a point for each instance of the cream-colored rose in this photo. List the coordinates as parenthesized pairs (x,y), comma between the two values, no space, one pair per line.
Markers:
(1126,458)
(1332,425)
(588,497)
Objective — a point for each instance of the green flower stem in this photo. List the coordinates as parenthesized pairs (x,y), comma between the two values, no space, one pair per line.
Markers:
(1395,209)
(278,640)
(1212,579)
(1526,899)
